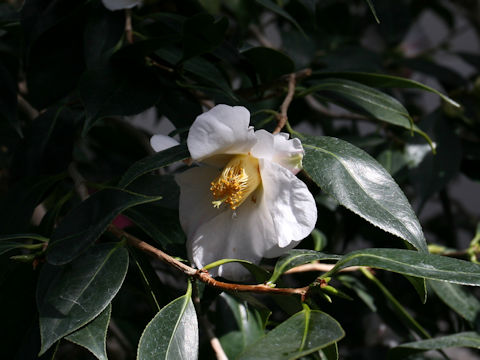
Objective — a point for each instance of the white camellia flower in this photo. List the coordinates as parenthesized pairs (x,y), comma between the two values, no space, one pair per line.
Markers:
(120,4)
(244,200)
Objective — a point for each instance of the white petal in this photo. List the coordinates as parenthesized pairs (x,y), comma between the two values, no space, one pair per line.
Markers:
(244,234)
(161,142)
(279,149)
(291,206)
(120,4)
(222,130)
(195,198)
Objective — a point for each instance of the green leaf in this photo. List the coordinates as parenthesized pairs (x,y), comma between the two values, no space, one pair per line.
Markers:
(372,9)
(359,183)
(270,5)
(459,299)
(413,263)
(86,223)
(197,42)
(6,244)
(371,101)
(154,162)
(464,339)
(330,352)
(93,336)
(383,81)
(172,333)
(297,257)
(301,334)
(126,90)
(23,237)
(250,323)
(262,59)
(70,296)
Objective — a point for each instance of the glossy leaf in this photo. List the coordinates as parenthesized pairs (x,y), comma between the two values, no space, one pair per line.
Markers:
(172,333)
(459,299)
(413,263)
(463,339)
(371,101)
(359,183)
(93,336)
(87,222)
(298,257)
(302,334)
(383,81)
(70,296)
(154,162)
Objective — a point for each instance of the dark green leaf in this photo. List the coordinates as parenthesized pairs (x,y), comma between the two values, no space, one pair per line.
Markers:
(126,90)
(250,323)
(302,334)
(270,5)
(197,42)
(16,207)
(87,222)
(383,81)
(459,299)
(6,244)
(262,59)
(23,237)
(369,100)
(70,296)
(413,263)
(360,184)
(93,336)
(330,352)
(172,333)
(154,162)
(464,339)
(297,257)
(8,97)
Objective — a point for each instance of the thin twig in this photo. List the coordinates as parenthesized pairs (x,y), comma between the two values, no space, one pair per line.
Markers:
(128,26)
(282,116)
(319,267)
(203,275)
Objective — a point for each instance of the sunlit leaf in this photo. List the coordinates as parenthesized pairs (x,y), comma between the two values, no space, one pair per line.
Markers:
(302,334)
(172,333)
(359,183)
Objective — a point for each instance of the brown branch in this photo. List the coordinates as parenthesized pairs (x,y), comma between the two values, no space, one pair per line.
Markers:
(318,267)
(203,275)
(128,26)
(282,116)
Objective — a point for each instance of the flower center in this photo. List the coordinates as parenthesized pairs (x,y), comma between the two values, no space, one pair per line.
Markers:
(239,178)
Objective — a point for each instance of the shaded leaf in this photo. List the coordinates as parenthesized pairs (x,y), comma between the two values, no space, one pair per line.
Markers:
(302,334)
(172,333)
(383,81)
(297,257)
(369,100)
(464,339)
(154,162)
(459,299)
(8,97)
(262,59)
(250,326)
(87,222)
(70,296)
(270,5)
(126,90)
(413,263)
(359,183)
(93,336)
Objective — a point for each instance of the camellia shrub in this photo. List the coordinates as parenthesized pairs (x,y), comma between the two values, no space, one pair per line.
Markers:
(234,180)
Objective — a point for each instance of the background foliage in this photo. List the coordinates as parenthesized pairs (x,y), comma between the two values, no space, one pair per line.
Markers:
(75,157)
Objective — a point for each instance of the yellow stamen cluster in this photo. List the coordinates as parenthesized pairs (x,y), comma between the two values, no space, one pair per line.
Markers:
(239,178)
